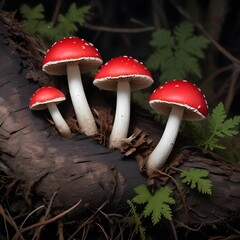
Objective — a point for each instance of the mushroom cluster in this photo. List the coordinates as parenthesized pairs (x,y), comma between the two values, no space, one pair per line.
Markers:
(71,56)
(179,99)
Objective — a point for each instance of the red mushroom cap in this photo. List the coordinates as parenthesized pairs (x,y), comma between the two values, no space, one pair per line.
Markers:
(123,68)
(180,93)
(45,95)
(72,49)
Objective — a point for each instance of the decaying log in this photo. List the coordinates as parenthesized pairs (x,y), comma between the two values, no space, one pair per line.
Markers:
(82,168)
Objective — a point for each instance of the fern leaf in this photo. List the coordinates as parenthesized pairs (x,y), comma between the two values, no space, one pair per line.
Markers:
(162,41)
(195,46)
(161,38)
(157,205)
(177,54)
(154,61)
(219,127)
(196,178)
(32,13)
(143,194)
(139,229)
(66,24)
(34,17)
(172,69)
(183,32)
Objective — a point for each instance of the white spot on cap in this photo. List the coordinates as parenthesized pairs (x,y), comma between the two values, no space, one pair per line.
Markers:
(176,85)
(206,103)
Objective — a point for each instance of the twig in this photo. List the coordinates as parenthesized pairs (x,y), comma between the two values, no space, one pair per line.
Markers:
(201,28)
(174,230)
(60,231)
(8,219)
(216,73)
(232,89)
(103,231)
(30,214)
(6,228)
(38,231)
(117,30)
(187,227)
(98,210)
(56,12)
(87,221)
(16,236)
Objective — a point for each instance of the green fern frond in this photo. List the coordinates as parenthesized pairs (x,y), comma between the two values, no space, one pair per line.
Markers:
(195,46)
(162,38)
(157,205)
(66,25)
(138,229)
(34,17)
(197,178)
(218,128)
(183,32)
(177,54)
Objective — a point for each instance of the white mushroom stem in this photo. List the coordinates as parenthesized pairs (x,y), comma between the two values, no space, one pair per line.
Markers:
(82,110)
(163,149)
(122,115)
(58,120)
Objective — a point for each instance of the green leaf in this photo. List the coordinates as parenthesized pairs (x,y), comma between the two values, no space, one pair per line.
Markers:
(219,127)
(197,178)
(32,13)
(162,38)
(34,17)
(66,25)
(143,194)
(157,205)
(183,32)
(176,54)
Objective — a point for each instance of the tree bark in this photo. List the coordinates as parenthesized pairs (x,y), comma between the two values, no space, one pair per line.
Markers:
(82,169)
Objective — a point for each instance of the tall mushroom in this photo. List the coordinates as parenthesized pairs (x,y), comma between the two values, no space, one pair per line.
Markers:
(72,56)
(122,74)
(179,99)
(48,98)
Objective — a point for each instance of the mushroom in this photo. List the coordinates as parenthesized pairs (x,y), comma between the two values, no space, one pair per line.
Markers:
(72,56)
(181,100)
(122,74)
(48,98)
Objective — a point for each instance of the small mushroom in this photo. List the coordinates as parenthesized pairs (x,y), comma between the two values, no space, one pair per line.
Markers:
(72,56)
(48,98)
(179,99)
(122,74)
